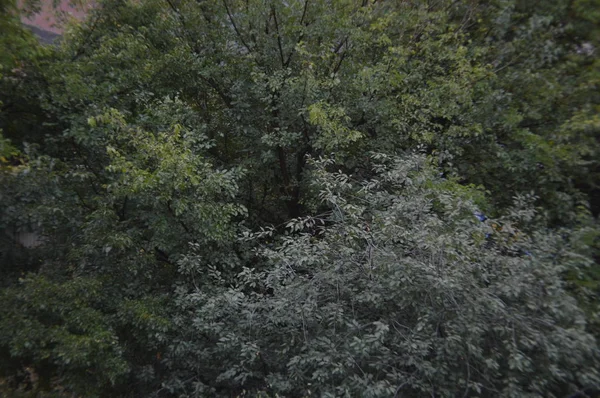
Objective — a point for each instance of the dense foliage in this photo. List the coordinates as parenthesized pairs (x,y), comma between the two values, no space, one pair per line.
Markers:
(301,198)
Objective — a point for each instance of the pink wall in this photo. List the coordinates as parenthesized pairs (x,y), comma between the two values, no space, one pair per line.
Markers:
(47,20)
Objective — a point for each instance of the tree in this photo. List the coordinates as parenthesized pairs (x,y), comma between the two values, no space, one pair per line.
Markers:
(156,134)
(274,83)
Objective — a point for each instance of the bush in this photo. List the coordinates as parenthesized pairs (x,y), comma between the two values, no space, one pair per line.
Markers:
(399,291)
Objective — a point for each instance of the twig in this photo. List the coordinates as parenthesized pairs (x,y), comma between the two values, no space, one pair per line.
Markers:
(400,387)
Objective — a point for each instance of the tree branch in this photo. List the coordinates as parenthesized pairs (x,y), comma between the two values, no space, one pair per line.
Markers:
(300,37)
(278,36)
(342,57)
(211,82)
(235,27)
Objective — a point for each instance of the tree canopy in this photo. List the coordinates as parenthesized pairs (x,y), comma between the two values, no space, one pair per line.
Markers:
(301,198)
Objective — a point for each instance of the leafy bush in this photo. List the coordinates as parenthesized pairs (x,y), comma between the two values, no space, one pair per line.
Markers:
(399,291)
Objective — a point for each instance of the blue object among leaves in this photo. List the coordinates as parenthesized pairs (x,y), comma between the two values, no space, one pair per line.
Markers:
(480,216)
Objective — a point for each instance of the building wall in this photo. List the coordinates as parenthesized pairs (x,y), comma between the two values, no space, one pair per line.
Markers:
(46,19)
